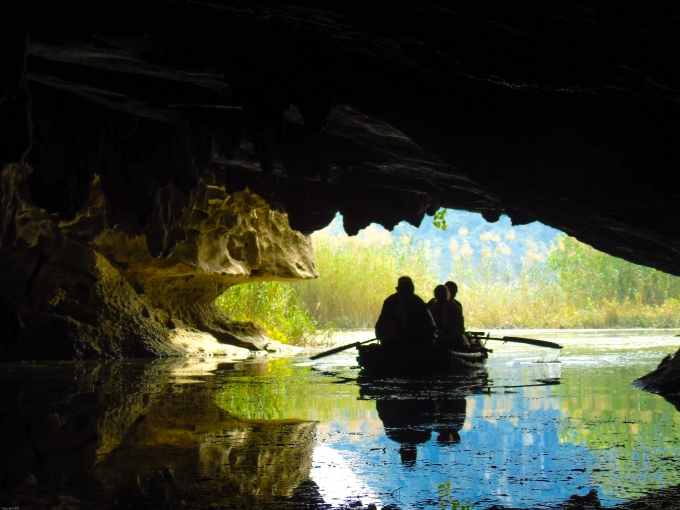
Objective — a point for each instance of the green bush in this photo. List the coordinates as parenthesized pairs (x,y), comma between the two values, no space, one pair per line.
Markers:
(274,305)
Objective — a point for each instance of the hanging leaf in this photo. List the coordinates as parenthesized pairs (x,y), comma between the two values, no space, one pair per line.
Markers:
(439,219)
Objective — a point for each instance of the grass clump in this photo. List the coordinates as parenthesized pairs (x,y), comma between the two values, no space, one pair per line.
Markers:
(274,305)
(358,273)
(566,285)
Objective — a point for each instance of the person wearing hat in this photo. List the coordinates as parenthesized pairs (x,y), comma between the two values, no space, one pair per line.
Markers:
(405,319)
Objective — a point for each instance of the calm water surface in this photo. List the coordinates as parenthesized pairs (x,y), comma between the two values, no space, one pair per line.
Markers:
(290,433)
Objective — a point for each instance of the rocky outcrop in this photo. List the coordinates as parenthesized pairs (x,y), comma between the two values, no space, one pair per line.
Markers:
(665,380)
(84,287)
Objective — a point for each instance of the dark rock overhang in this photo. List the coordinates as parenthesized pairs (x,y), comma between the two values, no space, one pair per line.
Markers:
(384,111)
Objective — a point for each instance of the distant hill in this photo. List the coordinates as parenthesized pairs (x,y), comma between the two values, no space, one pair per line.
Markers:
(468,235)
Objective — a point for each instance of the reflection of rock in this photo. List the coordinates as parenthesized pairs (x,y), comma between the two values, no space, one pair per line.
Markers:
(307,496)
(97,284)
(665,380)
(116,434)
(213,457)
(56,428)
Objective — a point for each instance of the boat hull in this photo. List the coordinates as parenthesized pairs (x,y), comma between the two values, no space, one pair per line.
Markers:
(379,359)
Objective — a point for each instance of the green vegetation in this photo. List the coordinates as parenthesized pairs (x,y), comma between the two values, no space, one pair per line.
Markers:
(357,274)
(275,305)
(627,430)
(566,284)
(290,392)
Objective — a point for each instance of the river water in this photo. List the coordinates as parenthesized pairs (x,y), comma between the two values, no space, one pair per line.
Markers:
(286,432)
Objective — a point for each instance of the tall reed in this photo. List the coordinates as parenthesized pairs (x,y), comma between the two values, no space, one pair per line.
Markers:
(358,273)
(565,285)
(568,285)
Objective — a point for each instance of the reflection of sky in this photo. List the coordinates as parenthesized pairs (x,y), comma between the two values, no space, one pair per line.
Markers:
(337,479)
(524,447)
(519,446)
(509,454)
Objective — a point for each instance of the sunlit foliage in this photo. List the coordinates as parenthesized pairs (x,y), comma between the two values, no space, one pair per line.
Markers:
(275,305)
(564,285)
(358,273)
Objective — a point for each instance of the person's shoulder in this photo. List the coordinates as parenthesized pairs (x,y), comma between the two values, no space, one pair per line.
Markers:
(419,300)
(454,305)
(391,298)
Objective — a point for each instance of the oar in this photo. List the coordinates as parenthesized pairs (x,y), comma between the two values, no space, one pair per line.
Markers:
(530,341)
(341,348)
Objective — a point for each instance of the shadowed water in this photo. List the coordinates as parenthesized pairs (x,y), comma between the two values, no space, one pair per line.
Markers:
(291,433)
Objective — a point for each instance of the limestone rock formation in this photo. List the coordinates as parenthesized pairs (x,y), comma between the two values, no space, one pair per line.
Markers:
(83,287)
(665,380)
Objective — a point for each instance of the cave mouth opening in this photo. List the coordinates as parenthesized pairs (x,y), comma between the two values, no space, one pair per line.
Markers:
(509,277)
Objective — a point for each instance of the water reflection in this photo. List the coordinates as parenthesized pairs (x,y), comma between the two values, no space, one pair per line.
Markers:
(411,409)
(138,435)
(279,433)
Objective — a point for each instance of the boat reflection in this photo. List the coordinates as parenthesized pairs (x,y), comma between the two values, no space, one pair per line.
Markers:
(413,409)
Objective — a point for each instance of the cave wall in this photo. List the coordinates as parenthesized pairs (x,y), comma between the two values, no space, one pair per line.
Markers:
(81,287)
(564,113)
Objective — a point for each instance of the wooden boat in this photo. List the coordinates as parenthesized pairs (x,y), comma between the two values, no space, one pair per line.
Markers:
(376,358)
(379,359)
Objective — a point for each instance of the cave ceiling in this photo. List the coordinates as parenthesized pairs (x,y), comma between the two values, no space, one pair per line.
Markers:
(559,112)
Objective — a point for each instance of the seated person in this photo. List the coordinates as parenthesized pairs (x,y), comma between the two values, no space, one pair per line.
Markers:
(453,290)
(405,319)
(452,287)
(449,320)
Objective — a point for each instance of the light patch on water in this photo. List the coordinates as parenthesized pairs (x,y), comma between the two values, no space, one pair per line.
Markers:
(337,480)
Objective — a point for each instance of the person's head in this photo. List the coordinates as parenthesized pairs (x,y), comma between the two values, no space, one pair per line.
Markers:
(408,454)
(441,293)
(448,436)
(452,288)
(405,286)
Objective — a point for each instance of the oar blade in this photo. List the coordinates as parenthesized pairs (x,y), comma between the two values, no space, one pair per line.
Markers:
(531,341)
(335,350)
(528,341)
(340,349)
